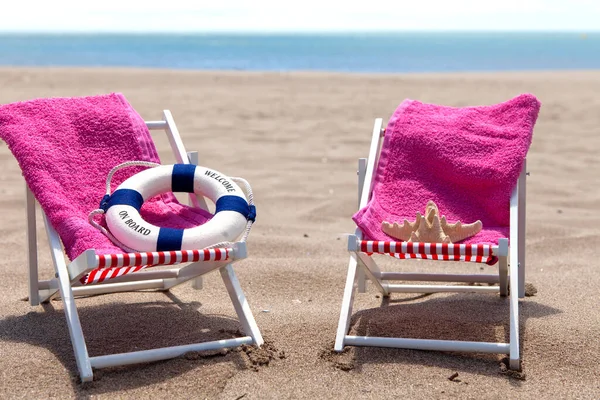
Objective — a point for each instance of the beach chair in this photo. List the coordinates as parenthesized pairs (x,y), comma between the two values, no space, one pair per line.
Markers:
(362,267)
(91,273)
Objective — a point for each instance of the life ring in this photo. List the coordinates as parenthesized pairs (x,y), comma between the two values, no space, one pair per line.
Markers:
(122,208)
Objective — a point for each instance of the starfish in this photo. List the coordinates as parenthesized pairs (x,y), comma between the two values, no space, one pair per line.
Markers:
(430,228)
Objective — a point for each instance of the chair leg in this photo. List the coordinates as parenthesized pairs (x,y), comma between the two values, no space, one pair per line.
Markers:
(515,360)
(81,354)
(242,308)
(66,293)
(346,311)
(361,280)
(32,259)
(522,222)
(503,275)
(370,269)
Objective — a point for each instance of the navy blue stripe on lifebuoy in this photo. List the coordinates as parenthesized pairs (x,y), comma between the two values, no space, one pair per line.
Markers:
(182,180)
(128,197)
(169,239)
(233,203)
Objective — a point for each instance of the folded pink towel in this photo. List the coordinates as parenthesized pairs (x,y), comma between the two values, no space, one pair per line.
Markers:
(67,146)
(467,160)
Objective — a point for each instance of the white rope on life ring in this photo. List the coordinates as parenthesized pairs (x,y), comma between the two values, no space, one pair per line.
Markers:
(233,212)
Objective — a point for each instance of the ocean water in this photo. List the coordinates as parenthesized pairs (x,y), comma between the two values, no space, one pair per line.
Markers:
(375,52)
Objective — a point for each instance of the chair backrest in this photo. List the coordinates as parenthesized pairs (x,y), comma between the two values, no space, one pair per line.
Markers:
(65,148)
(466,160)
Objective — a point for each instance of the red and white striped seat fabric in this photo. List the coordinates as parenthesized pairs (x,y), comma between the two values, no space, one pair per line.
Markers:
(114,265)
(481,253)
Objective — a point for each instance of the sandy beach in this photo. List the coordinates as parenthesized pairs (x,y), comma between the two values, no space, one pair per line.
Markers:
(296,138)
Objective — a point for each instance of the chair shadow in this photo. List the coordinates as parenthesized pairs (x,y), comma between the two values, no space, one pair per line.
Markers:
(118,328)
(461,316)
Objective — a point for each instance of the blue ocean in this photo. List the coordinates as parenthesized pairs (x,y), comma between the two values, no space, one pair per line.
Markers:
(367,52)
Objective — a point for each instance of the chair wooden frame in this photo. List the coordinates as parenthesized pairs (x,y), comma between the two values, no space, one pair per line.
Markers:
(362,267)
(67,285)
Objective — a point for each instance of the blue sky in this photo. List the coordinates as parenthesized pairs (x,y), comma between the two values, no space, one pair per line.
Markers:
(298,16)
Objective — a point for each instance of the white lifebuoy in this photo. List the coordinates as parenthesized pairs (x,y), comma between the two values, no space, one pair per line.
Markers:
(124,221)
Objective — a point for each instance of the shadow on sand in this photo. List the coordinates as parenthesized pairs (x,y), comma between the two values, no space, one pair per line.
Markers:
(118,327)
(461,316)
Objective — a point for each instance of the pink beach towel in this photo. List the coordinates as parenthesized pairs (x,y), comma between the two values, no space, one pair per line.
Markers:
(66,147)
(467,160)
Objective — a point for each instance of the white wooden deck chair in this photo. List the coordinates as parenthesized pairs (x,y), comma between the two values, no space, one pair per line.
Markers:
(111,273)
(362,266)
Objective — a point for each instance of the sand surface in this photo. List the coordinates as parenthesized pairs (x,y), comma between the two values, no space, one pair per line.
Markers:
(296,138)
